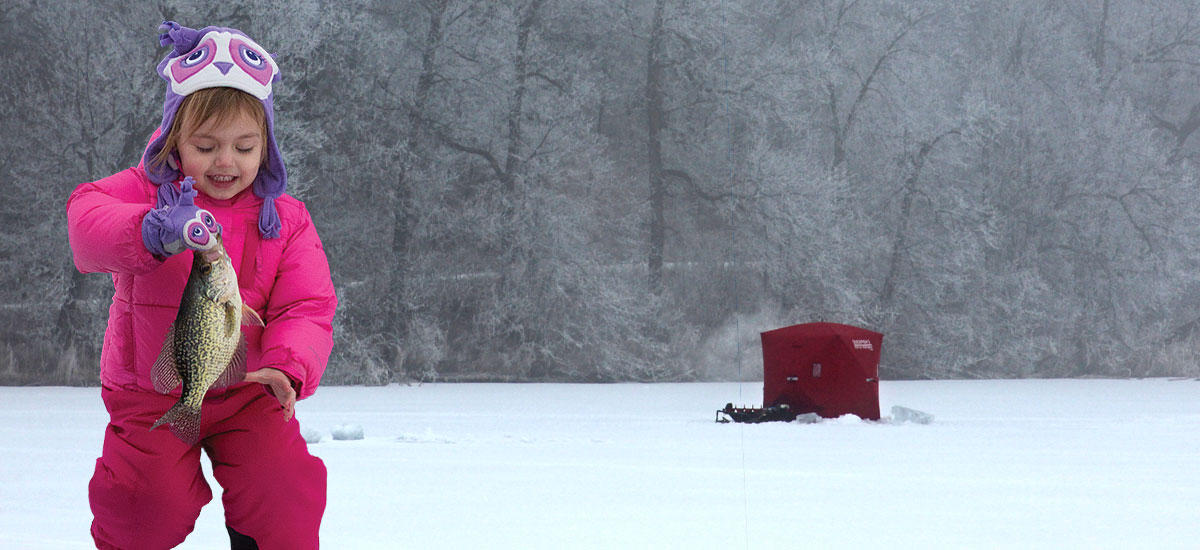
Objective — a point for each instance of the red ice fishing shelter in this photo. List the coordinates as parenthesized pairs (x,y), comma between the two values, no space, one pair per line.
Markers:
(825,368)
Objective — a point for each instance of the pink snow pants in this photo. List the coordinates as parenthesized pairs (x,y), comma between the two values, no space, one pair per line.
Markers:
(148,487)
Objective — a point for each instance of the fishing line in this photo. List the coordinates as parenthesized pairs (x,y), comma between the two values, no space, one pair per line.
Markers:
(732,266)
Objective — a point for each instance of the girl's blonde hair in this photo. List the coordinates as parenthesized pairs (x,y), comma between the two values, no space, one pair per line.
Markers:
(223,104)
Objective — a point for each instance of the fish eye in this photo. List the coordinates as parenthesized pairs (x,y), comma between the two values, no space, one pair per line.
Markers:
(205,268)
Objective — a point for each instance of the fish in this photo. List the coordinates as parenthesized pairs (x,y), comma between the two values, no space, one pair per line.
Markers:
(204,348)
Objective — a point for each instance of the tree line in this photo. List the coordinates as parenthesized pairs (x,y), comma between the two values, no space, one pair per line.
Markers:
(615,190)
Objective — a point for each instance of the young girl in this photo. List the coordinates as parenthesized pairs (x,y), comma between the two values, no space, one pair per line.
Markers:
(217,131)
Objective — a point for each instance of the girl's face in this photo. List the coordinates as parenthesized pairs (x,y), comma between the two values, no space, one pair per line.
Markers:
(222,159)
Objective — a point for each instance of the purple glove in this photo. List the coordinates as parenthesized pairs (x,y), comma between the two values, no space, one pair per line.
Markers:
(171,229)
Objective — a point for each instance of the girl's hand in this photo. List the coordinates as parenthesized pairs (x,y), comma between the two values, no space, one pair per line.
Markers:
(280,386)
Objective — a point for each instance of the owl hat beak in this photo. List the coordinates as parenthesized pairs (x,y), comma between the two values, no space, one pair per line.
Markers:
(218,57)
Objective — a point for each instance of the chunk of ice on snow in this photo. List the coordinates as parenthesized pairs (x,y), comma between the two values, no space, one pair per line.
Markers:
(345,432)
(808,418)
(311,435)
(901,415)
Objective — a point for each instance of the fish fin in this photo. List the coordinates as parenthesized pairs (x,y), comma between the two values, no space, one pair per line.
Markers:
(250,317)
(235,371)
(184,422)
(231,320)
(164,374)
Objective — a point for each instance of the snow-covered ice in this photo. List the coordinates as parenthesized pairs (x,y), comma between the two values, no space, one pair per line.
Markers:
(1007,464)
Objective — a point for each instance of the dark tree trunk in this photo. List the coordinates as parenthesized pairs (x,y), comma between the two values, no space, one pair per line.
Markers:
(399,316)
(655,123)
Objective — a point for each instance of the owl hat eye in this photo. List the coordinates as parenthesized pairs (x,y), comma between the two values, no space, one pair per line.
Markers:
(184,67)
(200,54)
(209,222)
(248,58)
(197,236)
(214,57)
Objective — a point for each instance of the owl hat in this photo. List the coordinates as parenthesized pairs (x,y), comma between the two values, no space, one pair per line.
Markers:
(209,58)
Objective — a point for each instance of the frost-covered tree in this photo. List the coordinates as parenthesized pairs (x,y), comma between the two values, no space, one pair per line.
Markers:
(1094,218)
(66,127)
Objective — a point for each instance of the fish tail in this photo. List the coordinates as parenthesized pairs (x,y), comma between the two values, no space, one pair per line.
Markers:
(184,422)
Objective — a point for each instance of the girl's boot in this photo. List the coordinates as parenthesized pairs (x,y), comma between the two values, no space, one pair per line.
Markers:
(238,541)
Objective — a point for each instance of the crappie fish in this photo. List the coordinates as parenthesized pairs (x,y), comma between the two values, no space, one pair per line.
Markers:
(204,347)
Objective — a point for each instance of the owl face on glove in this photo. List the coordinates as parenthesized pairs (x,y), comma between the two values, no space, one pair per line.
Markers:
(226,58)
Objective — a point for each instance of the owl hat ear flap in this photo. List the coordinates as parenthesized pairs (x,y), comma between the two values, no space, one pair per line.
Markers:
(218,57)
(182,39)
(272,177)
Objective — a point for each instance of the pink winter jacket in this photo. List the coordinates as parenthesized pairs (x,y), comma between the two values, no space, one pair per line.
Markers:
(286,280)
